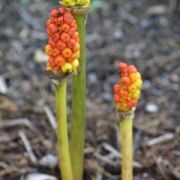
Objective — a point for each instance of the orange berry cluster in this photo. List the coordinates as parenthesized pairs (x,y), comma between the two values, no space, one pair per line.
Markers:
(63,42)
(128,89)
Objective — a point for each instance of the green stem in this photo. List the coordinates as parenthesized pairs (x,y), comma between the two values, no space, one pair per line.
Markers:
(62,132)
(126,148)
(79,106)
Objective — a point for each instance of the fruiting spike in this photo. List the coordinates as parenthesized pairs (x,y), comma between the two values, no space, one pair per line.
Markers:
(63,42)
(127,90)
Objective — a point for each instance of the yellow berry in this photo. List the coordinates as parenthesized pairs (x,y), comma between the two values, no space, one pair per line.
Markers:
(132,88)
(136,95)
(75,64)
(138,83)
(83,2)
(69,2)
(67,68)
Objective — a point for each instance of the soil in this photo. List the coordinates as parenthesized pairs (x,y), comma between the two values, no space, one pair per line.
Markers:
(141,32)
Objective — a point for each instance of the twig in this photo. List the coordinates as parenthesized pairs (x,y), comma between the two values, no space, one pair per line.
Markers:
(117,154)
(161,139)
(16,122)
(129,17)
(27,146)
(51,117)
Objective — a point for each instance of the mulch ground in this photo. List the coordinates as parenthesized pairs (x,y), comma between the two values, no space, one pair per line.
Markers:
(145,33)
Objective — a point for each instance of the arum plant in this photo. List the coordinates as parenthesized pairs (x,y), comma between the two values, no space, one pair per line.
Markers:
(63,51)
(126,94)
(79,9)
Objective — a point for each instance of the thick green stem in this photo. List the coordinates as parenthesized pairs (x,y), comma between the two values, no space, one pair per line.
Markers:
(62,132)
(79,106)
(126,148)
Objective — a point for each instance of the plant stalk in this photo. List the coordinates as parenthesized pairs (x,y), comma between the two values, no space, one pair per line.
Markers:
(126,148)
(62,132)
(79,106)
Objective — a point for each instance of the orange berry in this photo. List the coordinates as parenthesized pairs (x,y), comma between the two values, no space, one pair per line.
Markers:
(71,43)
(71,31)
(59,61)
(76,47)
(126,81)
(123,93)
(55,52)
(48,49)
(72,57)
(73,25)
(48,22)
(67,52)
(54,13)
(60,45)
(75,36)
(64,27)
(65,37)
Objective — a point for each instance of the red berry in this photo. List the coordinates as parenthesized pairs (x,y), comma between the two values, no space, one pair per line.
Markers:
(55,37)
(52,28)
(68,18)
(116,88)
(132,103)
(51,62)
(122,67)
(116,98)
(48,22)
(51,42)
(59,20)
(62,10)
(54,13)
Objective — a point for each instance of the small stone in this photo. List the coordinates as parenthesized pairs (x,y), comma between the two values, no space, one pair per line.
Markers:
(118,34)
(92,78)
(39,176)
(40,57)
(49,161)
(146,84)
(3,86)
(151,108)
(157,10)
